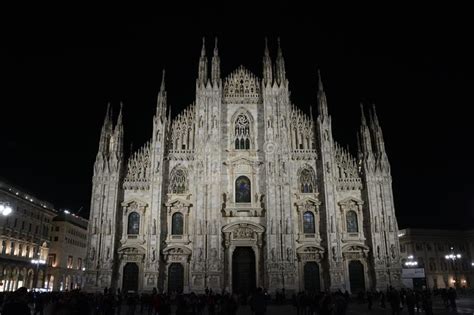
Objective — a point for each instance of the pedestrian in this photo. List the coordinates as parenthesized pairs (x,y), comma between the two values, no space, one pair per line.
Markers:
(411,301)
(395,301)
(452,298)
(369,300)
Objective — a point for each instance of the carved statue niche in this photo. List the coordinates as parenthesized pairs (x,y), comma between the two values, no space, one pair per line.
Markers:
(392,249)
(289,253)
(272,255)
(92,254)
(288,226)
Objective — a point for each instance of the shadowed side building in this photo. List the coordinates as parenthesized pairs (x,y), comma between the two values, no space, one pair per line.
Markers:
(24,236)
(67,253)
(429,248)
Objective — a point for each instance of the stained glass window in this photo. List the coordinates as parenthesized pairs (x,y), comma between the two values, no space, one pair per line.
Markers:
(177,224)
(351,220)
(242,189)
(308,223)
(133,223)
(307,180)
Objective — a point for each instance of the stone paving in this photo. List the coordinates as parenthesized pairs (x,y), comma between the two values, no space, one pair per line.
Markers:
(465,306)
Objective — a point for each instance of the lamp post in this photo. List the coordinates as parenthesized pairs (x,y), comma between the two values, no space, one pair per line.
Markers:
(453,257)
(5,210)
(37,262)
(411,262)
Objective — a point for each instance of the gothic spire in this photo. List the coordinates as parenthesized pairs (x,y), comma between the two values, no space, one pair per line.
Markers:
(106,131)
(119,119)
(118,133)
(161,100)
(280,66)
(362,115)
(322,101)
(364,136)
(267,66)
(216,66)
(202,75)
(378,139)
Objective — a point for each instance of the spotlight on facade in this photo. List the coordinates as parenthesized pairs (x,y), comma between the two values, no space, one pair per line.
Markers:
(67,212)
(38,261)
(5,209)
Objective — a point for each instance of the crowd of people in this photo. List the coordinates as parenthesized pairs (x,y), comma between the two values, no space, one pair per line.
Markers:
(22,302)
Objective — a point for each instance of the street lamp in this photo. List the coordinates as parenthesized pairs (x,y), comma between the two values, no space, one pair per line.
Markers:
(411,262)
(5,208)
(453,257)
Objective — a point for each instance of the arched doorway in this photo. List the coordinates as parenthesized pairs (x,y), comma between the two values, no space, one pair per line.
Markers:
(130,277)
(356,276)
(175,278)
(311,277)
(243,270)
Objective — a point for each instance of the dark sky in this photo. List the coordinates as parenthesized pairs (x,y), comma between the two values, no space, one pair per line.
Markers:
(61,70)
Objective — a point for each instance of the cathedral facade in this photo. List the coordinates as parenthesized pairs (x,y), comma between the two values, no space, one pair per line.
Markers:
(241,190)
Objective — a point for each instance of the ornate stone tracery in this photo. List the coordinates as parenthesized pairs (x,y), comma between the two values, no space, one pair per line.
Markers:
(138,170)
(178,181)
(242,87)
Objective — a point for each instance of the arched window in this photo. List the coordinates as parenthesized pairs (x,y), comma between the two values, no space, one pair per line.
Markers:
(242,189)
(308,223)
(307,180)
(351,220)
(177,224)
(242,133)
(133,223)
(179,183)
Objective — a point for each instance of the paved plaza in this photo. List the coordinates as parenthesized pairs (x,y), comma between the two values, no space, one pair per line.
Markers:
(465,306)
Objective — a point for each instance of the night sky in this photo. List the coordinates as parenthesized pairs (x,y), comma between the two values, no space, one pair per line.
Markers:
(61,70)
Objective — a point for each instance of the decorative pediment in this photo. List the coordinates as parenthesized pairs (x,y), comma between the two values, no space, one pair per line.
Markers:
(308,200)
(177,254)
(244,227)
(242,87)
(350,203)
(355,250)
(134,202)
(242,160)
(177,250)
(179,203)
(310,253)
(134,205)
(128,250)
